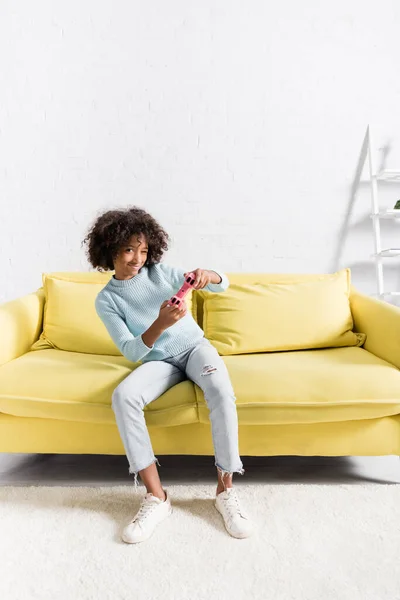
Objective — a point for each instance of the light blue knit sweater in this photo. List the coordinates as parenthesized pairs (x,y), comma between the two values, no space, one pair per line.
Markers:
(128,307)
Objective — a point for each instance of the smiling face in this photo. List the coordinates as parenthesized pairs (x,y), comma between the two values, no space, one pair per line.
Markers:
(131,257)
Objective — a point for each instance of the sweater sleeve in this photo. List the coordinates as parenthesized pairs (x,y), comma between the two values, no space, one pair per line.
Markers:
(133,348)
(176,277)
(218,287)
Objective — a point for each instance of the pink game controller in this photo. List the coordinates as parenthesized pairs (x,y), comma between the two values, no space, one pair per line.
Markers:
(185,289)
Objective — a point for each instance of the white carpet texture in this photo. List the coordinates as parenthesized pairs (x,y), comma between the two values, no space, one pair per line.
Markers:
(317,542)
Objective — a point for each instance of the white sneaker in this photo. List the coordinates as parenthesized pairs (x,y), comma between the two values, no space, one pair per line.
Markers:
(237,521)
(152,511)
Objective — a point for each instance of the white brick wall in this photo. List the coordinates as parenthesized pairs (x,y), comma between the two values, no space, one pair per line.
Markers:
(237,124)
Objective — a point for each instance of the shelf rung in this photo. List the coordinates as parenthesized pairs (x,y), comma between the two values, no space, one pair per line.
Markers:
(389,253)
(387,214)
(389,175)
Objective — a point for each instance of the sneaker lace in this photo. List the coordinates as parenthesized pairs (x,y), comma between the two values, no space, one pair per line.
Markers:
(145,509)
(232,505)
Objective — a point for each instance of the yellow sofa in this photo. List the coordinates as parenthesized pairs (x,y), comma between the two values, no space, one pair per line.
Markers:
(336,401)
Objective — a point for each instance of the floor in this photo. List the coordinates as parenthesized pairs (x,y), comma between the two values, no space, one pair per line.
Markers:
(86,469)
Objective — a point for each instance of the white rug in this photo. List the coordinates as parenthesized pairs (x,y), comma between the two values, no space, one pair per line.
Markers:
(317,542)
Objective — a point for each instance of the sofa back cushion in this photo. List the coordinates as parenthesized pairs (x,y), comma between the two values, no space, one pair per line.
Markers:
(70,320)
(259,316)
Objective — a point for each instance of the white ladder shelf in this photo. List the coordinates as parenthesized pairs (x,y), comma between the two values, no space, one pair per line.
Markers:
(377,214)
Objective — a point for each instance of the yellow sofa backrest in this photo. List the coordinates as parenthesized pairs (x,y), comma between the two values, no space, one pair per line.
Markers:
(253,278)
(70,321)
(275,312)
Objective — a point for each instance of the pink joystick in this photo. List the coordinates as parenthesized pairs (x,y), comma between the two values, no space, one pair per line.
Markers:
(186,287)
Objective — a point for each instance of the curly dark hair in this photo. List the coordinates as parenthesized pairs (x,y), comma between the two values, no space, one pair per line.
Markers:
(114,228)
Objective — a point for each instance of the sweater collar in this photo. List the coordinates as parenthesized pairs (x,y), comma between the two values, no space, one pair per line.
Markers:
(127,283)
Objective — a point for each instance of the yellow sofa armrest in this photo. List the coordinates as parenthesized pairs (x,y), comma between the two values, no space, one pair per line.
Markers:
(381,322)
(21,322)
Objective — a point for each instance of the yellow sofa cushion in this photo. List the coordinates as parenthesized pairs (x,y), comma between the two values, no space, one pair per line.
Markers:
(310,386)
(70,319)
(54,384)
(307,386)
(271,317)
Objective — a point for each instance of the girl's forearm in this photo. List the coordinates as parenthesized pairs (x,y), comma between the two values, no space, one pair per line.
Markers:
(152,334)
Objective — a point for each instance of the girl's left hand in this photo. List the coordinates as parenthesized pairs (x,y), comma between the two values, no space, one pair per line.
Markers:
(203,278)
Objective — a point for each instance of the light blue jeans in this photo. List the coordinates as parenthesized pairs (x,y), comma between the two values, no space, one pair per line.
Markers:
(203,365)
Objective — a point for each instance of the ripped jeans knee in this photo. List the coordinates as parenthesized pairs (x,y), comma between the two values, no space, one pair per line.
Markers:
(207,370)
(135,473)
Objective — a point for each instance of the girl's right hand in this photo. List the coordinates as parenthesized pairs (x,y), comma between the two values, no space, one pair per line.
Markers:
(169,315)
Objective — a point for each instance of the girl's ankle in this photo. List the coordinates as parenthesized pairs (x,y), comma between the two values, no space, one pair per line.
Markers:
(160,495)
(219,491)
